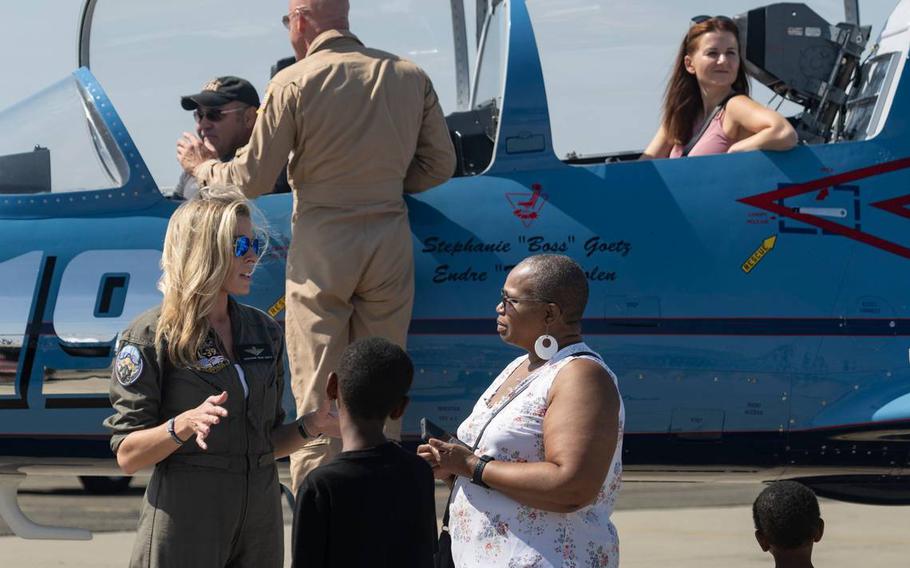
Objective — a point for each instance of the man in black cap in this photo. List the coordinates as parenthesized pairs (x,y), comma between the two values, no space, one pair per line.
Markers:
(225,112)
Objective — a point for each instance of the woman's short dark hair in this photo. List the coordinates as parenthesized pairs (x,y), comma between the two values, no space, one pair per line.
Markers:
(559,279)
(682,101)
(787,514)
(374,375)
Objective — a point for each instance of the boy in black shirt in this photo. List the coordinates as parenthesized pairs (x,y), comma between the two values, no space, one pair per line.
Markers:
(373,505)
(788,523)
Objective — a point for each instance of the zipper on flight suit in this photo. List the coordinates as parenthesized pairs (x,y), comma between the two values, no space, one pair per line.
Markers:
(246,449)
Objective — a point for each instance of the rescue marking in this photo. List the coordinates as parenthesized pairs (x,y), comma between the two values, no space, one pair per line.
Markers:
(771,201)
(766,246)
(277,307)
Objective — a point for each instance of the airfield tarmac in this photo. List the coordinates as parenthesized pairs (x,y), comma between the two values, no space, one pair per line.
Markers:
(660,524)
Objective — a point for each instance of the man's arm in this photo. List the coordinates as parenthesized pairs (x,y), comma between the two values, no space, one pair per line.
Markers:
(434,159)
(256,166)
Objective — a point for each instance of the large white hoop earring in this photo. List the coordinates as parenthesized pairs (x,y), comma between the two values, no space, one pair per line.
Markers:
(545,347)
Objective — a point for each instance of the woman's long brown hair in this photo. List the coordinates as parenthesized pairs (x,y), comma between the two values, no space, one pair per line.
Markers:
(682,101)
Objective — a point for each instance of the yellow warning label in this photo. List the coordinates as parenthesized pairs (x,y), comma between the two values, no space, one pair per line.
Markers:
(277,307)
(753,260)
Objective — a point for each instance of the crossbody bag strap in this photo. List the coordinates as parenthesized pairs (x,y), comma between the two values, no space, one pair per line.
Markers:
(512,396)
(706,124)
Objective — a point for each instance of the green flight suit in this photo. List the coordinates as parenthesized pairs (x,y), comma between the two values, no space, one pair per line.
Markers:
(214,508)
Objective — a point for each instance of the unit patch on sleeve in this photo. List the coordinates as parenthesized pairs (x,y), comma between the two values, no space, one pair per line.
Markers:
(128,366)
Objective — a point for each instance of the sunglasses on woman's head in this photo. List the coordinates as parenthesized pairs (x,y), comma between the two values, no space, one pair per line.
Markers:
(243,244)
(699,19)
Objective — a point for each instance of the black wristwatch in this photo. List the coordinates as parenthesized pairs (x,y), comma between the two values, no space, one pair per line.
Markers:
(477,477)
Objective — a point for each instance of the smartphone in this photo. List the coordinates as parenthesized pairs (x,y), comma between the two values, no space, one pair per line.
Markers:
(429,429)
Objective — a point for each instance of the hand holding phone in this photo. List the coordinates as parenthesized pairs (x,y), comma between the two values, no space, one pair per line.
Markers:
(429,429)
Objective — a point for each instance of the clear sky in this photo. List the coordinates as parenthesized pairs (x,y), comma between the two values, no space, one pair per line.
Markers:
(605,61)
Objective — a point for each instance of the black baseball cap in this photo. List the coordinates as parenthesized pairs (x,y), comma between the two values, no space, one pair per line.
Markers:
(221,91)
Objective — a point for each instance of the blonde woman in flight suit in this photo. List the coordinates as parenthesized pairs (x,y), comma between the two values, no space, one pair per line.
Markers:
(362,127)
(197,387)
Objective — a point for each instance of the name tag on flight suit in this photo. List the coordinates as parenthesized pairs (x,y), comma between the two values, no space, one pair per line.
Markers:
(257,352)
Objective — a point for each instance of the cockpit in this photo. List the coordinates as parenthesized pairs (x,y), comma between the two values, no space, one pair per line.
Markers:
(56,142)
(603,68)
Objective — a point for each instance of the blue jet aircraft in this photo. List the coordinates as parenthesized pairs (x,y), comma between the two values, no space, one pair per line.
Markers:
(755,306)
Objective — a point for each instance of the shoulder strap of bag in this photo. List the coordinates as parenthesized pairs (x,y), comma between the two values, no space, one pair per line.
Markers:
(706,124)
(512,396)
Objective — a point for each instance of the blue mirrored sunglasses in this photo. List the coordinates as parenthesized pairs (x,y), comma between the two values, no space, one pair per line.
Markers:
(243,244)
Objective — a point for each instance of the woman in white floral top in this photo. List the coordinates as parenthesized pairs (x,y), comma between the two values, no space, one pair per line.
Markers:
(540,486)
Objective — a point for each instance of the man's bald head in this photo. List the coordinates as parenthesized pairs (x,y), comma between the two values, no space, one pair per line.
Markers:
(324,15)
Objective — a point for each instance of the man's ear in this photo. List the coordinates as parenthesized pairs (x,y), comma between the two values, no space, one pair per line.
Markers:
(398,411)
(331,388)
(762,541)
(821,529)
(249,116)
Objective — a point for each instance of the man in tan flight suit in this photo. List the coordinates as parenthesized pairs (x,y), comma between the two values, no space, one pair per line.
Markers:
(362,127)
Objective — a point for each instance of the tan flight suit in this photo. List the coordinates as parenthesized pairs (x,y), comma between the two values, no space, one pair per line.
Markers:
(214,508)
(362,127)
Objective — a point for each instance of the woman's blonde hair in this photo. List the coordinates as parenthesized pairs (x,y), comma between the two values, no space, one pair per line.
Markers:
(197,257)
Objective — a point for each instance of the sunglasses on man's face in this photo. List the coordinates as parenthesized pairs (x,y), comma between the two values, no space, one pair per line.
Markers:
(243,244)
(286,19)
(214,114)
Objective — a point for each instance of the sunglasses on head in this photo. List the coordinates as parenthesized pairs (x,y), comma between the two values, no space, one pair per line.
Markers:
(243,244)
(699,19)
(214,114)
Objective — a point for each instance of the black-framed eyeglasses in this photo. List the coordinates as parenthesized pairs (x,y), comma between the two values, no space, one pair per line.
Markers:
(514,301)
(214,114)
(243,244)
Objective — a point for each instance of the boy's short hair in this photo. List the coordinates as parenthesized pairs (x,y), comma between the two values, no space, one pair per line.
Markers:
(373,376)
(787,514)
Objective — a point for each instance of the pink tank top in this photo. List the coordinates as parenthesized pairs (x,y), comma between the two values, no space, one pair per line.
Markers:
(713,141)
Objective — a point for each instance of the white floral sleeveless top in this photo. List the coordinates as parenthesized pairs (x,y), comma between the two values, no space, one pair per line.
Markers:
(489,529)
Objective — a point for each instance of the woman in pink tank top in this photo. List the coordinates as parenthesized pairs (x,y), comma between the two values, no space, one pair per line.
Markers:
(709,83)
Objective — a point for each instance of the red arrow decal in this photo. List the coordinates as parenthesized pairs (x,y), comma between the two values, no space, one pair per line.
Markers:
(769,202)
(898,206)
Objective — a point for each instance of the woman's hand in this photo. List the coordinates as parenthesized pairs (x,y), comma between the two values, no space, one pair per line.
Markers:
(199,420)
(427,452)
(452,459)
(323,420)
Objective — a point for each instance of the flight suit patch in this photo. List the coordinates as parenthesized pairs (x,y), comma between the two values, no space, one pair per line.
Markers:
(210,360)
(265,100)
(260,352)
(128,366)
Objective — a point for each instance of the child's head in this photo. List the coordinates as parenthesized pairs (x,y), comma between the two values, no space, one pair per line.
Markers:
(372,379)
(787,517)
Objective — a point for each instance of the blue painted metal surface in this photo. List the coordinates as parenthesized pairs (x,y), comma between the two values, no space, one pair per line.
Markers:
(813,336)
